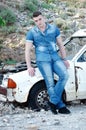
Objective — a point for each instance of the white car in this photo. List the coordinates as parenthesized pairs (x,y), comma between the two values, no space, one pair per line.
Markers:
(23,88)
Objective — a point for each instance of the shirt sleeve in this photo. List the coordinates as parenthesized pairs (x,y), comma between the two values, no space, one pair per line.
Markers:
(29,37)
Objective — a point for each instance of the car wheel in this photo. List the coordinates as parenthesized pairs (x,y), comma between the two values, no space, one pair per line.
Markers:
(38,97)
(64,96)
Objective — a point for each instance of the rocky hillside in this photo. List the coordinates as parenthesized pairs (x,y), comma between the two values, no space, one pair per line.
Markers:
(69,16)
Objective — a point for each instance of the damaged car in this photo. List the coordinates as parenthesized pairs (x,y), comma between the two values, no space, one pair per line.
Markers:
(23,88)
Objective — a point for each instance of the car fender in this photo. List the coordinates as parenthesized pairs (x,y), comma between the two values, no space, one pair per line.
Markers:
(24,83)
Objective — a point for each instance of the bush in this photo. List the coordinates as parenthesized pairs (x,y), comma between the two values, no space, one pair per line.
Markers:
(2,22)
(31,5)
(10,61)
(7,14)
(45,5)
(9,29)
(50,1)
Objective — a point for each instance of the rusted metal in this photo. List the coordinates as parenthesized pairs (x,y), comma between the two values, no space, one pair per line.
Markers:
(3,91)
(76,79)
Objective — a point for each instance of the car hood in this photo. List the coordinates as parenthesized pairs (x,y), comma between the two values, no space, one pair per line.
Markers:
(80,33)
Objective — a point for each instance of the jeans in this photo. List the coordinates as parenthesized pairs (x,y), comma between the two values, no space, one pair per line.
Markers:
(55,91)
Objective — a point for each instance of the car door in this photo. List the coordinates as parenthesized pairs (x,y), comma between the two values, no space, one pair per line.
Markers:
(80,71)
(70,85)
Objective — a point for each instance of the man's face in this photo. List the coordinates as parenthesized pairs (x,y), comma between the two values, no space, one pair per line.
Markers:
(39,21)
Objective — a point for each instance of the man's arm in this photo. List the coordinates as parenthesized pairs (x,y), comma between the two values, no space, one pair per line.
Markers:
(61,47)
(62,51)
(30,69)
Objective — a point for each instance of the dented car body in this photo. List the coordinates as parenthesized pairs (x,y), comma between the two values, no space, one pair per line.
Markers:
(23,88)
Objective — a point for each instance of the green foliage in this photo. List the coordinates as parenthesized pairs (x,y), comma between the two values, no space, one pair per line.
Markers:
(2,22)
(61,24)
(1,44)
(50,1)
(31,22)
(45,5)
(1,41)
(7,15)
(82,5)
(31,5)
(10,62)
(10,29)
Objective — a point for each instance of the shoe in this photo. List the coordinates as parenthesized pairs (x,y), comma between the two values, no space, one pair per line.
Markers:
(52,108)
(64,110)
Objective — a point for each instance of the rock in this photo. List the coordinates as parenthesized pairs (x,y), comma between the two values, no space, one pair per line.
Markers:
(31,127)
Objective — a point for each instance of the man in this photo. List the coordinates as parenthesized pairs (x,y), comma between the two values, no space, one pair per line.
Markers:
(44,37)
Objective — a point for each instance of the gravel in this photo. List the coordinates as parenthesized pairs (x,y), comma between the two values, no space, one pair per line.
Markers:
(16,117)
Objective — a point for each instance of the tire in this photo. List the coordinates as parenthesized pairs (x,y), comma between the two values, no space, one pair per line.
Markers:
(64,97)
(38,97)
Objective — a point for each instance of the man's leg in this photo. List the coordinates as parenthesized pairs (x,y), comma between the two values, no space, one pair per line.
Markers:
(60,69)
(46,70)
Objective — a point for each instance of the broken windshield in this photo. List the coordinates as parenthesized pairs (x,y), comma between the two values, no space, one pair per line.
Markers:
(73,46)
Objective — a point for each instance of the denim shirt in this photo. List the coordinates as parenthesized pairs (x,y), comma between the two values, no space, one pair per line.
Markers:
(44,42)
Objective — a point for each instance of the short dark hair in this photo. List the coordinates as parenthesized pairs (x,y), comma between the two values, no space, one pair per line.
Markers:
(37,13)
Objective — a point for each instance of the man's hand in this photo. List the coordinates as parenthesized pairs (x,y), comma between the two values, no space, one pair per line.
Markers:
(31,71)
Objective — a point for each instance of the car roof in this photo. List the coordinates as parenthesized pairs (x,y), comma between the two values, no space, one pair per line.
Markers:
(79,33)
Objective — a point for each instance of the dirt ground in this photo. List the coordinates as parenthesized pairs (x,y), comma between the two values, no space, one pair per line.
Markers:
(16,118)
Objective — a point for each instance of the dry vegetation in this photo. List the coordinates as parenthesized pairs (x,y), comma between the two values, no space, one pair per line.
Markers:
(12,36)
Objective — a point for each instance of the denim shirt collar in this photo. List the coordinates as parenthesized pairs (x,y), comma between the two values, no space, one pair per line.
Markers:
(38,30)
